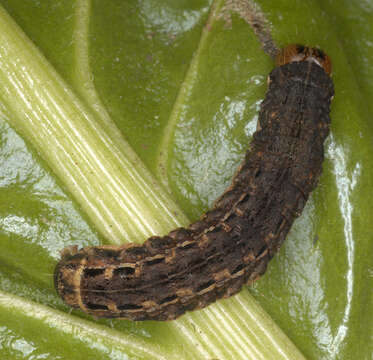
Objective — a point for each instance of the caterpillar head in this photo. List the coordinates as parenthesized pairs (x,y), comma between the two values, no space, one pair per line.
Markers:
(295,52)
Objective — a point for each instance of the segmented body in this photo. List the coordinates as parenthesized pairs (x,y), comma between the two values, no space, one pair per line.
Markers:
(232,243)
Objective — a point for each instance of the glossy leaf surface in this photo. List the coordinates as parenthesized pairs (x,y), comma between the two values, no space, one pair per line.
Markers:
(184,87)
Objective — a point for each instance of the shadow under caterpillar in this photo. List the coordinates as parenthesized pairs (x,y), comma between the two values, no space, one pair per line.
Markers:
(232,243)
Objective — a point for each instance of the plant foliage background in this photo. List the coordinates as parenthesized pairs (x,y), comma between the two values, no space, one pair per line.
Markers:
(319,287)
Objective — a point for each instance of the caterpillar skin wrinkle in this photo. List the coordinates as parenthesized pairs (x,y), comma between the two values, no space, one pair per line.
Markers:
(231,244)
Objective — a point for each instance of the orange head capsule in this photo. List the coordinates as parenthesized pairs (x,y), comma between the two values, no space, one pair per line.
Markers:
(295,52)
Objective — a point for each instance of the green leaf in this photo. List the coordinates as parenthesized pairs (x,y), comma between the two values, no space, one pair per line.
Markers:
(183,86)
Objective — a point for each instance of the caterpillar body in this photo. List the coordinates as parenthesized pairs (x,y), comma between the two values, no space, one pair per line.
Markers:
(232,243)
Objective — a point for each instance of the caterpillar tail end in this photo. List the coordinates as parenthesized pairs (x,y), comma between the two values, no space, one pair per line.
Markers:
(65,277)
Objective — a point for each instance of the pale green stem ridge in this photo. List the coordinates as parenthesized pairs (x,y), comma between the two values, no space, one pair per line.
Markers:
(84,153)
(84,85)
(248,331)
(118,194)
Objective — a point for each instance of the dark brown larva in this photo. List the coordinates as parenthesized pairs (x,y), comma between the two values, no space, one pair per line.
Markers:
(232,243)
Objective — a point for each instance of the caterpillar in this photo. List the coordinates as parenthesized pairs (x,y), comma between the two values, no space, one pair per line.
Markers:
(231,244)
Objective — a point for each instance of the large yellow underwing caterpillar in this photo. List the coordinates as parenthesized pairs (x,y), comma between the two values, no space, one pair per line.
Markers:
(231,244)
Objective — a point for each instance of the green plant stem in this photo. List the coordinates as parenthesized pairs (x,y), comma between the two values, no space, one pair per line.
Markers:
(120,197)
